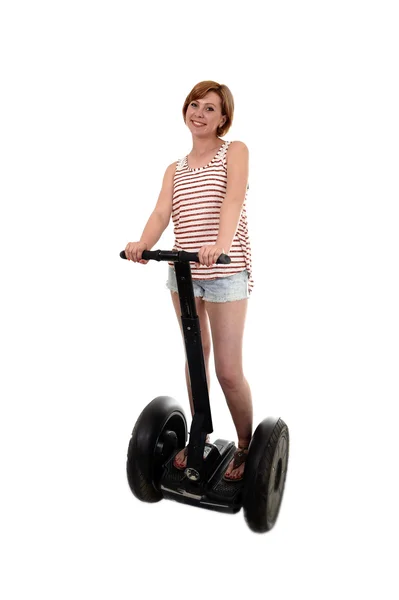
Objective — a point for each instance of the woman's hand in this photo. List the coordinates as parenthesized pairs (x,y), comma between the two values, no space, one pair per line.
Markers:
(208,255)
(134,250)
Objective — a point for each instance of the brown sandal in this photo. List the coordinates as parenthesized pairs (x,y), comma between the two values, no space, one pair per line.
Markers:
(176,466)
(207,441)
(239,457)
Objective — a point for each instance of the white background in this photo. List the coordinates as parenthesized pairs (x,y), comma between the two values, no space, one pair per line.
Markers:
(90,118)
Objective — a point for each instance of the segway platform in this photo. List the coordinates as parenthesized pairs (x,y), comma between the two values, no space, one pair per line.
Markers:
(214,493)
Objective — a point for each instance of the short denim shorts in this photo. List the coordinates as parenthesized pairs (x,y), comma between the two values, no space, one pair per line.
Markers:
(223,289)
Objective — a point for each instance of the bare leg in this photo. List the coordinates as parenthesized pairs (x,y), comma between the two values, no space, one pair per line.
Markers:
(239,401)
(227,321)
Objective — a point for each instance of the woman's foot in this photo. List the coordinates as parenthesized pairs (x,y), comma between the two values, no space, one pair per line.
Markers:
(180,460)
(235,470)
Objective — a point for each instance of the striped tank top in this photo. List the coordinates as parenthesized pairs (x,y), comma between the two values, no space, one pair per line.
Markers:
(197,198)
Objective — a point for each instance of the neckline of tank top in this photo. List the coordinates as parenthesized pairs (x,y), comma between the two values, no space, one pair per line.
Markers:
(205,166)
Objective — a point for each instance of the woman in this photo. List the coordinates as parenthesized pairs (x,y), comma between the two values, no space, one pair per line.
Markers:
(205,193)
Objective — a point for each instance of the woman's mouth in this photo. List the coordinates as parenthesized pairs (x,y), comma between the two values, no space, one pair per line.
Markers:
(197,123)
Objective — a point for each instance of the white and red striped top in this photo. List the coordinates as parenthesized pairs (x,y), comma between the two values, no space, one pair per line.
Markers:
(197,198)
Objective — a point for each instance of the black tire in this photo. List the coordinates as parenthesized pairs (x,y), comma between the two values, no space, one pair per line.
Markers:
(159,430)
(265,474)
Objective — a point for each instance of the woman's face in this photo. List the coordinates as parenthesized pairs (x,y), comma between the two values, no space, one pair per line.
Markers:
(204,116)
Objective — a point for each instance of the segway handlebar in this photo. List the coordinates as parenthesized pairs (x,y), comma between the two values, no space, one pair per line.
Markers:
(177,256)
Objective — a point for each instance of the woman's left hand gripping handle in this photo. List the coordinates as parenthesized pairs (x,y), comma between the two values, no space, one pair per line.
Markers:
(134,251)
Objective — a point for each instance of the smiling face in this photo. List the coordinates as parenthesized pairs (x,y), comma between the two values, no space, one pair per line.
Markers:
(204,115)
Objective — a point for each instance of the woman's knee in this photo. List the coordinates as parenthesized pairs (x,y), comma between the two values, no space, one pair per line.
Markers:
(229,376)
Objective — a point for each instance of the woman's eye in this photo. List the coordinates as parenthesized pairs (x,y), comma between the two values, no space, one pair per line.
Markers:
(195,105)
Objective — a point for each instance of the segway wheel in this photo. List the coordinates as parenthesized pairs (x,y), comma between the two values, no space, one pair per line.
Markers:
(265,474)
(160,429)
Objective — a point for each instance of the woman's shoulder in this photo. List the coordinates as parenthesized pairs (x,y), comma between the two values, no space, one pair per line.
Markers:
(175,165)
(237,146)
(170,171)
(237,153)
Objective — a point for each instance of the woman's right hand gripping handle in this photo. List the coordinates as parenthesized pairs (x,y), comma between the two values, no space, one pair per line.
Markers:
(134,251)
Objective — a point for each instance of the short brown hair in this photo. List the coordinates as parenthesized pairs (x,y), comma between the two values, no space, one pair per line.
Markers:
(200,91)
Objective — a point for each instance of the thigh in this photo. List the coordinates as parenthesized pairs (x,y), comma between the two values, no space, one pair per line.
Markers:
(203,320)
(227,321)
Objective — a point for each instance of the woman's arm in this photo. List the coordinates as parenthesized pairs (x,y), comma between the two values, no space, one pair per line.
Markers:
(160,216)
(237,181)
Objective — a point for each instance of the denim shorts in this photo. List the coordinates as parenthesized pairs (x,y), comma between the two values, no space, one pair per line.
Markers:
(223,289)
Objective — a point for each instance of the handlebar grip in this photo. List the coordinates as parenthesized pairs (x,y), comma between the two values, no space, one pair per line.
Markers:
(177,256)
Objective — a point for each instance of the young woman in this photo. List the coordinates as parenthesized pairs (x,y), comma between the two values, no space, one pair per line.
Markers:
(205,193)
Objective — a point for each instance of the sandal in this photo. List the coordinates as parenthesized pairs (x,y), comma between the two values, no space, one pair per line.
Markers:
(176,466)
(239,457)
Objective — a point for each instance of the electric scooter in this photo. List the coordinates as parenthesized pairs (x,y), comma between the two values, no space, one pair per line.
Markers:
(161,432)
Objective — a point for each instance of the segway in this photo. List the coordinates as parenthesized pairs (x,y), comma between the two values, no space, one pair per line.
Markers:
(161,432)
